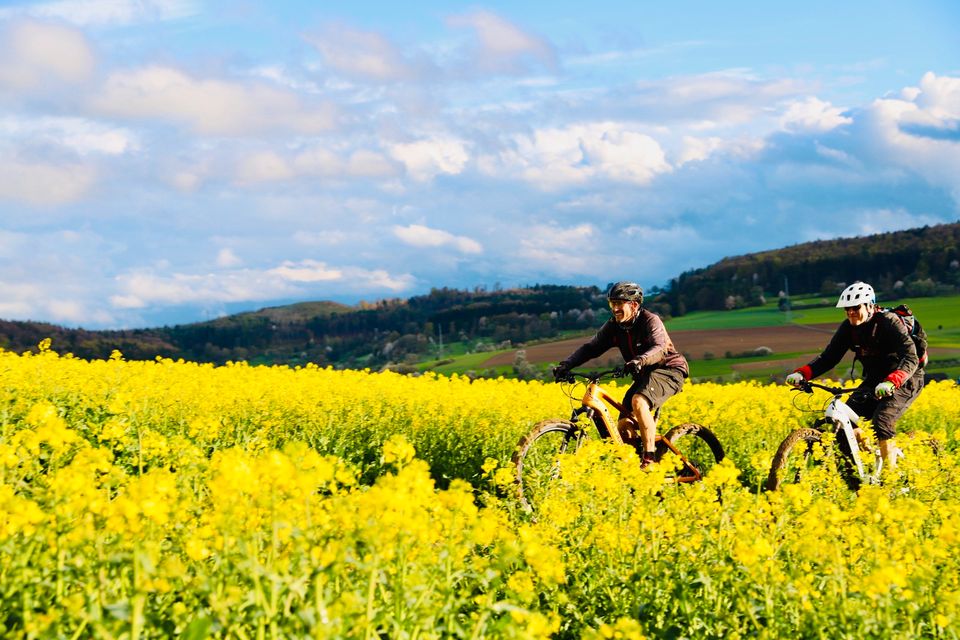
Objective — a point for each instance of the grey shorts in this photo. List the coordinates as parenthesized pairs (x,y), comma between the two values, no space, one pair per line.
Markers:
(656,385)
(885,413)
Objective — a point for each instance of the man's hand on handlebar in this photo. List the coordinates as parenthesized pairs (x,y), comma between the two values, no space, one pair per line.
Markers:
(561,373)
(795,379)
(884,389)
(632,367)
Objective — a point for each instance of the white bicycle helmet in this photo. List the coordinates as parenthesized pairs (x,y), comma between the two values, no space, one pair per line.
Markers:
(856,294)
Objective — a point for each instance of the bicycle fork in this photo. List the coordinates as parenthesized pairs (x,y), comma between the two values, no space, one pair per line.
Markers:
(845,418)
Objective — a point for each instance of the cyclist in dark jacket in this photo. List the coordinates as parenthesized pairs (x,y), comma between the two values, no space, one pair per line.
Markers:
(891,368)
(658,369)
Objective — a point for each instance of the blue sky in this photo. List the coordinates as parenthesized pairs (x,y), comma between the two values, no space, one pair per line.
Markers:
(167,161)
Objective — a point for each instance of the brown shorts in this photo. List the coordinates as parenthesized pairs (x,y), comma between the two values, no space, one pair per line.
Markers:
(656,385)
(885,413)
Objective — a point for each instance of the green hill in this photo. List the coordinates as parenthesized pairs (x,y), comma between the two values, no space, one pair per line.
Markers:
(915,262)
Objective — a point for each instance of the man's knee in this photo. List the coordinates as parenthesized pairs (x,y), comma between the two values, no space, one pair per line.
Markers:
(640,403)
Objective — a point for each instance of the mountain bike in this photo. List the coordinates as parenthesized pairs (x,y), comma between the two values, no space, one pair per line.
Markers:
(796,456)
(539,457)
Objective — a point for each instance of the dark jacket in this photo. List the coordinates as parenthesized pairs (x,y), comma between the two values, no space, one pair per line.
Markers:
(882,344)
(645,340)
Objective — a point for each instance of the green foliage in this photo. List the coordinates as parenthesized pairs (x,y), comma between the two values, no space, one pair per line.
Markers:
(915,262)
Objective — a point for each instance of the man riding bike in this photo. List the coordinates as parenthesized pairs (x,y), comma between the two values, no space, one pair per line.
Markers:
(891,368)
(658,369)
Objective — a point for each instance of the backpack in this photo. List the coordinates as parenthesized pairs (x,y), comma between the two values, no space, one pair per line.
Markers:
(919,336)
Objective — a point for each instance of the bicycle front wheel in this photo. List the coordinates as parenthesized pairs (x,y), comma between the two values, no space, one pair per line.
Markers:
(538,458)
(794,458)
(697,444)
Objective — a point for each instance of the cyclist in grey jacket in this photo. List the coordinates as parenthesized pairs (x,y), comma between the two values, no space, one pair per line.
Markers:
(891,368)
(658,369)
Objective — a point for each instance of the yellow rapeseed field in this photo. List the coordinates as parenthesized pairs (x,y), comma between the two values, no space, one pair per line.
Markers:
(170,499)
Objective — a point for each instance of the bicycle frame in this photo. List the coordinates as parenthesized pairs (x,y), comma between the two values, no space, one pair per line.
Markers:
(593,405)
(844,420)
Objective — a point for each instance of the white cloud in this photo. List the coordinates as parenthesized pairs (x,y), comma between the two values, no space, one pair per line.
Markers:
(321,238)
(417,235)
(580,153)
(78,135)
(107,12)
(425,159)
(141,288)
(209,106)
(227,258)
(721,85)
(502,44)
(318,161)
(20,299)
(306,271)
(696,148)
(34,54)
(939,97)
(265,166)
(364,163)
(874,221)
(563,251)
(16,308)
(53,276)
(44,184)
(186,180)
(918,131)
(381,279)
(271,166)
(813,115)
(836,155)
(362,53)
(710,101)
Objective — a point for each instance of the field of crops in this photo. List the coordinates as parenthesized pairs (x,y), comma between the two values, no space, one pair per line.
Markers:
(164,499)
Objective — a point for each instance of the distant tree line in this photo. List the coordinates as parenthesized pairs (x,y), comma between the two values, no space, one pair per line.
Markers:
(915,262)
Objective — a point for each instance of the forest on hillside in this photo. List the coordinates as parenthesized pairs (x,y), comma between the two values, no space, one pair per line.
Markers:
(912,263)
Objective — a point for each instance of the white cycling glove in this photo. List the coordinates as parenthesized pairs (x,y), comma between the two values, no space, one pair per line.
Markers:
(795,379)
(884,389)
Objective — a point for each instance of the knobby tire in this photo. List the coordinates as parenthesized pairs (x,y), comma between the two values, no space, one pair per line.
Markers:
(792,458)
(697,443)
(537,460)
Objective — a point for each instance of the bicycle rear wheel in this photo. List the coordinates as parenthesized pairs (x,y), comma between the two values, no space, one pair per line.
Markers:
(538,458)
(794,458)
(698,445)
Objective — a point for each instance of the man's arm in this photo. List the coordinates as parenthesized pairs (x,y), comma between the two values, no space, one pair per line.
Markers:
(660,341)
(839,344)
(599,344)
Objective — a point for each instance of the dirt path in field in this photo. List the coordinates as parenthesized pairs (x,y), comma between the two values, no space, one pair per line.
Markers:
(696,344)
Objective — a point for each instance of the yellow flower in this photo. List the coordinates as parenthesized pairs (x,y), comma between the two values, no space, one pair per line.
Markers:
(398,450)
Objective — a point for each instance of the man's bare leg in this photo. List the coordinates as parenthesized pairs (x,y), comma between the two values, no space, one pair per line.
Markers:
(889,451)
(648,425)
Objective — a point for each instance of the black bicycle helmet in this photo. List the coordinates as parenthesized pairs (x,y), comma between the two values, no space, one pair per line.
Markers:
(626,291)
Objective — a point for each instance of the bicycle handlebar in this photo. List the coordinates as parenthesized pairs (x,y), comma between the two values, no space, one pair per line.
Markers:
(592,376)
(808,387)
